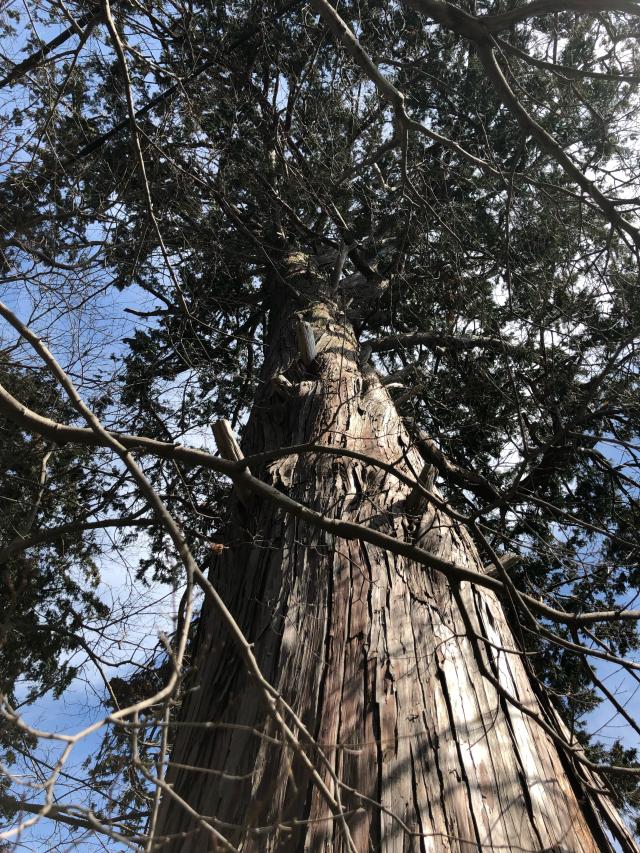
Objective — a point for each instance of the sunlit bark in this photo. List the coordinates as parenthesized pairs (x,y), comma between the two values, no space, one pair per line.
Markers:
(368,648)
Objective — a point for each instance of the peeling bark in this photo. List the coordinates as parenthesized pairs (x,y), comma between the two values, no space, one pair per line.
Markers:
(367,647)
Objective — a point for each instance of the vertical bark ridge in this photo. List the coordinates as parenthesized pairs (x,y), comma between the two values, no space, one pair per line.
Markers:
(491,662)
(368,648)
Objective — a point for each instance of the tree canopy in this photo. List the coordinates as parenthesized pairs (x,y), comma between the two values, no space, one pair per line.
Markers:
(466,176)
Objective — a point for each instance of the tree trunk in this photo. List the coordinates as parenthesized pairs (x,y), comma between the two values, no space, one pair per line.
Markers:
(367,647)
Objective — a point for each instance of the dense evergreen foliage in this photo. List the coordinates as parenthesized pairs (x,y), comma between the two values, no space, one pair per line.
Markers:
(498,295)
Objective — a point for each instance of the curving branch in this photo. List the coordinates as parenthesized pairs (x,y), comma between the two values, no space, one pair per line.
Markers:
(481,26)
(453,343)
(504,20)
(394,97)
(549,145)
(55,534)
(241,475)
(566,73)
(33,60)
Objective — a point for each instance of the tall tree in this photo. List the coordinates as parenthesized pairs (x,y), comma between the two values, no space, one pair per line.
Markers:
(395,246)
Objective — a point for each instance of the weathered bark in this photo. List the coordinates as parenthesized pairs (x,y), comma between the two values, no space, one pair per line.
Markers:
(368,648)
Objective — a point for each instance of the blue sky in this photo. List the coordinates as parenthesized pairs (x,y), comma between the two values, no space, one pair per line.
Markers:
(84,340)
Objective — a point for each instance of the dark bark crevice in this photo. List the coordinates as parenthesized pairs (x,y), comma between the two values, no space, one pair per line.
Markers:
(463,777)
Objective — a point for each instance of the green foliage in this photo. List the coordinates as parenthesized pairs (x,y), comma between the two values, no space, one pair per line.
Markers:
(263,142)
(47,592)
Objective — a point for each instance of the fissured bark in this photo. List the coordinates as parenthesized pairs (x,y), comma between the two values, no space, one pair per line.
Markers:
(368,648)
